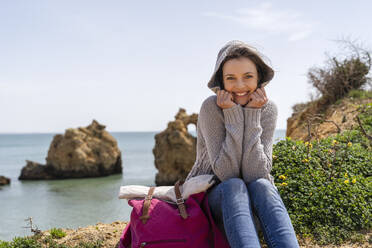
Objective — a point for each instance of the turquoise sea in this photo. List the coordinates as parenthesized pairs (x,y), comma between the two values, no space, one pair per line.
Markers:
(70,203)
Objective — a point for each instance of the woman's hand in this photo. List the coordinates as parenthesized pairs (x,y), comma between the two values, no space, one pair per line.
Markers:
(224,99)
(258,99)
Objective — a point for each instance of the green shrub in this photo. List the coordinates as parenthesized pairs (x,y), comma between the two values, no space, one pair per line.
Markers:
(37,241)
(57,233)
(51,243)
(341,74)
(4,244)
(326,185)
(96,244)
(21,242)
(360,94)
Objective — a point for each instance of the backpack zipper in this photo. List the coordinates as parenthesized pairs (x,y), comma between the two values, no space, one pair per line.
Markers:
(161,241)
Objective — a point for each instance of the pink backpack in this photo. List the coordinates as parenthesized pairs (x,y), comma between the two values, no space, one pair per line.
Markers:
(157,223)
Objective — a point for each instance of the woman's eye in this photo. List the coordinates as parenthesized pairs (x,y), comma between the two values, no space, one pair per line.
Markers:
(228,78)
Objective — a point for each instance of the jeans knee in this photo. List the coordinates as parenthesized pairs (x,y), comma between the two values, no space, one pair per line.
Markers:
(261,184)
(233,181)
(233,185)
(262,187)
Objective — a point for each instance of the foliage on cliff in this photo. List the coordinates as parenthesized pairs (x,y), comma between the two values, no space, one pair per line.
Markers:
(326,184)
(341,74)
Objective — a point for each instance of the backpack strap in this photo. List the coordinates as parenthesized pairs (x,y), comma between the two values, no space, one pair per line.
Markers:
(146,205)
(180,202)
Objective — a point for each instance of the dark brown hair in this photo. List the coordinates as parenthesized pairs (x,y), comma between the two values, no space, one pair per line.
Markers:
(262,69)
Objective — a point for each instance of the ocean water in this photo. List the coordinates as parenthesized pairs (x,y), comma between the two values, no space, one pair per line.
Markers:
(71,203)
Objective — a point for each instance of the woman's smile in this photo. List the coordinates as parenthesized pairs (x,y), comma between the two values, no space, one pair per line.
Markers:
(240,94)
(241,98)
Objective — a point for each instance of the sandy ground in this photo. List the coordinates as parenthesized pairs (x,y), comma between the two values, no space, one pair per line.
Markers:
(108,233)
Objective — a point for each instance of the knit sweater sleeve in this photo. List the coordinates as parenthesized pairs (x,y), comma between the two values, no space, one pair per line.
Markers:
(259,127)
(222,132)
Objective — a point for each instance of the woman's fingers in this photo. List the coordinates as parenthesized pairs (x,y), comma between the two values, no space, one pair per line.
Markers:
(264,91)
(226,96)
(219,98)
(256,96)
(262,95)
(222,96)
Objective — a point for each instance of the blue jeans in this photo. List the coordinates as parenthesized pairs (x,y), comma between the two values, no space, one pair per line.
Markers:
(232,203)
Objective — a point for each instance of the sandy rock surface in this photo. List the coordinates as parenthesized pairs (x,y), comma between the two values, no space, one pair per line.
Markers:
(81,152)
(4,180)
(109,234)
(175,149)
(343,115)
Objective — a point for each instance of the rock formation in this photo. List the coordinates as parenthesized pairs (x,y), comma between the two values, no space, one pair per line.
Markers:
(4,180)
(175,149)
(336,118)
(83,152)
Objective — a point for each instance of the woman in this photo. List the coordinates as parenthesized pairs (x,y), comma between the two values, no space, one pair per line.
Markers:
(235,131)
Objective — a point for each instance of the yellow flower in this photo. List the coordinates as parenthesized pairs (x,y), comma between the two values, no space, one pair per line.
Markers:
(329,165)
(349,144)
(282,177)
(308,144)
(284,184)
(311,193)
(334,142)
(305,160)
(345,174)
(354,180)
(346,181)
(275,157)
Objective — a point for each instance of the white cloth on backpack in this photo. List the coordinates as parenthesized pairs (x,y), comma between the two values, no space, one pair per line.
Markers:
(191,186)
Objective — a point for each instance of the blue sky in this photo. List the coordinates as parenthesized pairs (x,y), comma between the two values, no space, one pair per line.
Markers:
(132,64)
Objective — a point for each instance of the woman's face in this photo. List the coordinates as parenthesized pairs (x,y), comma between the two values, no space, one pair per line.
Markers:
(240,76)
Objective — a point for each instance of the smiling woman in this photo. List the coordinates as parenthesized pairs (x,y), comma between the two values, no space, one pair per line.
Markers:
(235,135)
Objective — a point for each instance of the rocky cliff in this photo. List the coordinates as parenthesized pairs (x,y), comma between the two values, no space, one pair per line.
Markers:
(81,152)
(308,123)
(175,149)
(4,180)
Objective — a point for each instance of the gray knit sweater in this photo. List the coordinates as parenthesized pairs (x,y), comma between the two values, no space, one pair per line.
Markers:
(235,142)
